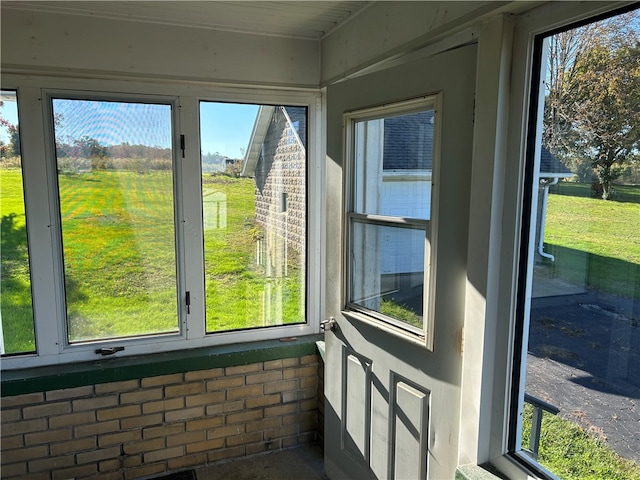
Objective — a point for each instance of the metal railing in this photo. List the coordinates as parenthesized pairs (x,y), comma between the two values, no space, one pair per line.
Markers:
(539,407)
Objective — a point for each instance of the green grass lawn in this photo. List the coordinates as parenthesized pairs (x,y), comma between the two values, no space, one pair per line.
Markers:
(15,287)
(572,453)
(596,242)
(119,254)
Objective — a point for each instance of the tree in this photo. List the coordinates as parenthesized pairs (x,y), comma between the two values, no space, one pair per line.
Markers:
(592,98)
(606,112)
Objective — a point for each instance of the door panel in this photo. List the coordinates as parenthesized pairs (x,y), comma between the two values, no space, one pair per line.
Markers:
(393,405)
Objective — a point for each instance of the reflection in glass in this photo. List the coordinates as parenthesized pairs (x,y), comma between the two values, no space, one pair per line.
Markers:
(387,270)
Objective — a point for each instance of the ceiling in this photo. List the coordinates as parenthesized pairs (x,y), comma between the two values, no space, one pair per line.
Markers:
(295,19)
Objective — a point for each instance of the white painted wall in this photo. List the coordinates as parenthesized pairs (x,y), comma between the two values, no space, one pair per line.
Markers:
(57,43)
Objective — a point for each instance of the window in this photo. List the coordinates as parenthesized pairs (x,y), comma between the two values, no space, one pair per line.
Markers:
(254,208)
(16,328)
(389,219)
(165,220)
(577,378)
(115,187)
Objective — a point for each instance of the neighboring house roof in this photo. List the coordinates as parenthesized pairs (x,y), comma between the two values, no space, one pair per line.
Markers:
(551,167)
(260,127)
(408,142)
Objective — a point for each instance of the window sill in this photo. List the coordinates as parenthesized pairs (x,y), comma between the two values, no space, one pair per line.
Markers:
(54,377)
(477,472)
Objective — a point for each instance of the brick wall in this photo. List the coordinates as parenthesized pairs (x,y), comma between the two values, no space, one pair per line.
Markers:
(135,428)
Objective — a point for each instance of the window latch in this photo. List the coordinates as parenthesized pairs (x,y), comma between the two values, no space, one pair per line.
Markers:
(109,350)
(187,301)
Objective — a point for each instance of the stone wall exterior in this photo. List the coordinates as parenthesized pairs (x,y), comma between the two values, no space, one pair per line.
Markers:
(135,428)
(280,173)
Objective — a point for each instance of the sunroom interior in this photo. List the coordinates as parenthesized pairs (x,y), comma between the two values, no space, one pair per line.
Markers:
(175,364)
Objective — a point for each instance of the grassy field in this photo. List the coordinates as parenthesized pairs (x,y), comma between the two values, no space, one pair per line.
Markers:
(572,453)
(15,288)
(596,242)
(119,253)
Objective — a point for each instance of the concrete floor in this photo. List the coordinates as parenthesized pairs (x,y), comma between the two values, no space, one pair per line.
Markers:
(301,463)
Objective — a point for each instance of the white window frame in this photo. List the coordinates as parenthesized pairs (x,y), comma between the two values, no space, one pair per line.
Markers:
(41,204)
(422,336)
(496,433)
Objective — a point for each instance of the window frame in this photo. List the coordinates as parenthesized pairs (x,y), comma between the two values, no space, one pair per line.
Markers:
(424,336)
(42,211)
(507,386)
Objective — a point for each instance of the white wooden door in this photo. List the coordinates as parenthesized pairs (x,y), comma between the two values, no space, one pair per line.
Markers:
(393,393)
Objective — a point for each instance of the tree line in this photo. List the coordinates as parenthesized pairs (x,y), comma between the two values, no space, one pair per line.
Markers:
(592,100)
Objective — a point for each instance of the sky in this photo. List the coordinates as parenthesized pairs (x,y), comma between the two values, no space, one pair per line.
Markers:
(225,127)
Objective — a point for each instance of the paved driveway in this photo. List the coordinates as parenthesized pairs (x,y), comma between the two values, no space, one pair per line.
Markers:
(584,358)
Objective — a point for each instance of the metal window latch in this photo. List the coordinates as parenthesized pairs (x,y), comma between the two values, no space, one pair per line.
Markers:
(331,324)
(109,350)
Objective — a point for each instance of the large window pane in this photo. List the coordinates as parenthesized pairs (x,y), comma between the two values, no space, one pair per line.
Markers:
(17,334)
(115,180)
(582,356)
(254,204)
